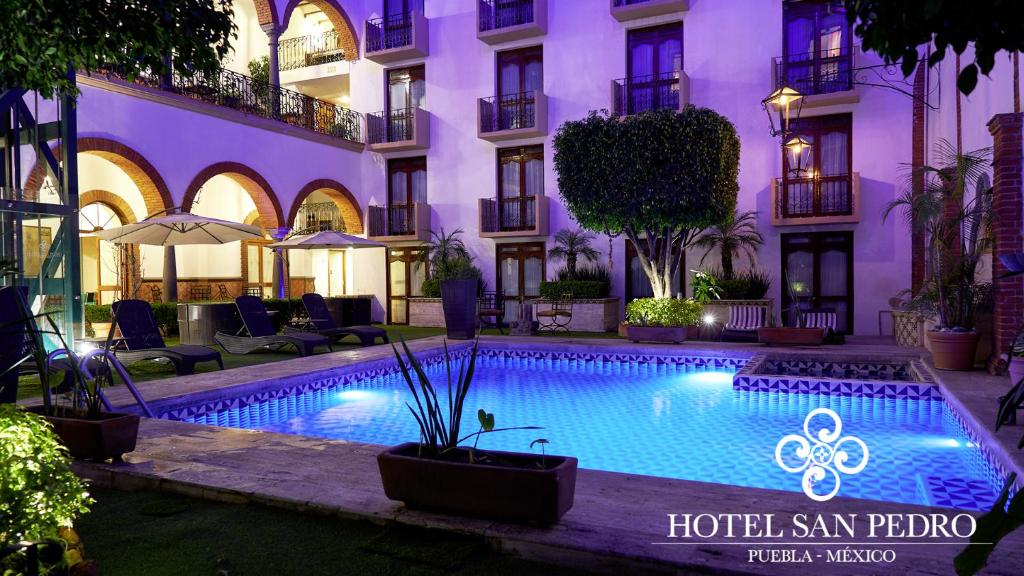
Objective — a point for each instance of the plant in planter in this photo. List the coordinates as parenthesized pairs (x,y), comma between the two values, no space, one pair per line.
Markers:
(437,473)
(736,235)
(98,317)
(456,280)
(588,282)
(570,246)
(957,227)
(661,319)
(800,335)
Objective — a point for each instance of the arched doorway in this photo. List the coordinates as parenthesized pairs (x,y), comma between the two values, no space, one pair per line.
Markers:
(323,204)
(108,269)
(316,40)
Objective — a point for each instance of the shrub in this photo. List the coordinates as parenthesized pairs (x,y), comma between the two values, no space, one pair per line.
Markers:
(455,269)
(746,285)
(39,494)
(594,273)
(431,288)
(580,289)
(285,308)
(166,314)
(705,287)
(97,313)
(663,312)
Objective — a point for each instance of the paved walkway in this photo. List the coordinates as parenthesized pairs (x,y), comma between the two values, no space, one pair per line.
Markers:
(617,518)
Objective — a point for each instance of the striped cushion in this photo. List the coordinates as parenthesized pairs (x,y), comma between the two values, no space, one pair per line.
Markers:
(745,318)
(820,320)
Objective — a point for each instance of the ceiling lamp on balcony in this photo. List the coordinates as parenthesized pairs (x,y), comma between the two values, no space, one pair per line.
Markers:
(785,101)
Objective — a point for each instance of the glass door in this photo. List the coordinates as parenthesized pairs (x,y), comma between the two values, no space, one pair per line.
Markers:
(818,275)
(654,63)
(335,272)
(406,92)
(260,260)
(520,272)
(520,77)
(818,47)
(407,186)
(522,181)
(405,280)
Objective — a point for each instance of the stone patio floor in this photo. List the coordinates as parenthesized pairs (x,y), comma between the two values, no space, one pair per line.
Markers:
(619,522)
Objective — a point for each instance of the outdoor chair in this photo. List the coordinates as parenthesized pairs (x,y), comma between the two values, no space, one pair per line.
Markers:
(558,316)
(259,332)
(222,292)
(823,318)
(141,340)
(320,322)
(491,311)
(744,320)
(197,293)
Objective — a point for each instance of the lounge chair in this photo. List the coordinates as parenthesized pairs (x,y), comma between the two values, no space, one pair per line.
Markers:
(824,318)
(320,322)
(260,333)
(142,340)
(744,320)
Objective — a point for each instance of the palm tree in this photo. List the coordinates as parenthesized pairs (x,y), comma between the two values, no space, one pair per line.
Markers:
(570,245)
(737,235)
(443,249)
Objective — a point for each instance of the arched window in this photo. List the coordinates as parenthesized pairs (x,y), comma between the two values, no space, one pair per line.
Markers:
(102,261)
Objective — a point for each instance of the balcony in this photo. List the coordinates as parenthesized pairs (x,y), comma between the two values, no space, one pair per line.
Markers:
(235,91)
(511,217)
(312,50)
(667,91)
(317,217)
(825,78)
(398,130)
(512,116)
(501,21)
(817,200)
(624,10)
(399,223)
(396,37)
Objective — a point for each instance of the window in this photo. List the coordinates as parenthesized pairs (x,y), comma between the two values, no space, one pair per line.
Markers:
(521,268)
(407,91)
(402,7)
(407,186)
(405,280)
(825,188)
(817,47)
(520,182)
(654,63)
(817,274)
(520,78)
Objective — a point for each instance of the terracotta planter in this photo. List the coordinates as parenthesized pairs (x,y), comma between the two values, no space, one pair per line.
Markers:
(953,350)
(109,437)
(516,492)
(665,334)
(785,336)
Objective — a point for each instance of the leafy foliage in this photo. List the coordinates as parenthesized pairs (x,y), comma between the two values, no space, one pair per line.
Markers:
(580,289)
(97,313)
(595,273)
(259,69)
(570,246)
(736,235)
(663,312)
(658,177)
(38,491)
(705,287)
(746,285)
(444,248)
(958,232)
(991,528)
(42,39)
(454,269)
(895,30)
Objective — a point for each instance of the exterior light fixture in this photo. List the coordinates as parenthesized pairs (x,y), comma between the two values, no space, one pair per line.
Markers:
(785,101)
(709,319)
(798,155)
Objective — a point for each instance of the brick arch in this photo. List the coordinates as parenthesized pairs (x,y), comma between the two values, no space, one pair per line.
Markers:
(339,20)
(147,179)
(252,218)
(351,213)
(113,201)
(259,190)
(265,12)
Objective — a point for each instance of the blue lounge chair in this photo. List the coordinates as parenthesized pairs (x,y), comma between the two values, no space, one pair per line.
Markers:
(321,322)
(142,341)
(260,333)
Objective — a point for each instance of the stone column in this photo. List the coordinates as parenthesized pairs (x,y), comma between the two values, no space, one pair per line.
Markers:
(1007,205)
(170,288)
(273,36)
(280,271)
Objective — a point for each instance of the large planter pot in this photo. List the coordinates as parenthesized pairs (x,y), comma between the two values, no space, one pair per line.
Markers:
(665,334)
(458,299)
(953,350)
(108,437)
(786,336)
(517,491)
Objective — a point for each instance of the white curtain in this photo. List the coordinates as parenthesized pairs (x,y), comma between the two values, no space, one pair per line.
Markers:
(399,188)
(834,154)
(509,79)
(534,177)
(509,179)
(534,79)
(419,186)
(419,94)
(532,275)
(670,57)
(833,273)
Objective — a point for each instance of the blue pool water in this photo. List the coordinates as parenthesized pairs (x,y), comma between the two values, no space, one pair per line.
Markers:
(669,420)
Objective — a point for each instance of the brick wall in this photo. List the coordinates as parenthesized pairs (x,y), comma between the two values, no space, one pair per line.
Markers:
(1007,224)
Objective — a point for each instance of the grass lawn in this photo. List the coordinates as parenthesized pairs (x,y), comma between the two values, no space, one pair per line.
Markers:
(28,386)
(153,534)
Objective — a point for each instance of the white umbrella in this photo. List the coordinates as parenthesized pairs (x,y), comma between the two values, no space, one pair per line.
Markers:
(327,239)
(178,229)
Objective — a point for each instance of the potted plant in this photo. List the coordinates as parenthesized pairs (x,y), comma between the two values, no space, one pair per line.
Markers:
(98,317)
(437,473)
(957,227)
(80,422)
(799,335)
(661,319)
(451,265)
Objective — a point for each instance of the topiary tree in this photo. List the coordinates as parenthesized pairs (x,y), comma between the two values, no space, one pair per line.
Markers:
(42,40)
(659,178)
(571,245)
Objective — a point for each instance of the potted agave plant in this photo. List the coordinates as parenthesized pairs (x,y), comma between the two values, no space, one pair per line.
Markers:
(957,227)
(77,414)
(440,473)
(661,319)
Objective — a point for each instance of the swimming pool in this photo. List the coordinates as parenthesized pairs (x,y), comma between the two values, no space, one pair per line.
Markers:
(669,416)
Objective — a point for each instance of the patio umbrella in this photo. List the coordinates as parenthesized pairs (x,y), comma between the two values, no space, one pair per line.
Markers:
(328,239)
(179,229)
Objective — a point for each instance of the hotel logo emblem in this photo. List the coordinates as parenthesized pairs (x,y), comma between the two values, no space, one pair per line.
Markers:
(822,457)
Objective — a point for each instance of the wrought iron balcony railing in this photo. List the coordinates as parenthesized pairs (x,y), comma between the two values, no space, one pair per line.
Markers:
(514,214)
(816,72)
(393,31)
(498,14)
(646,93)
(312,50)
(393,220)
(815,197)
(390,126)
(508,112)
(243,93)
(319,216)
